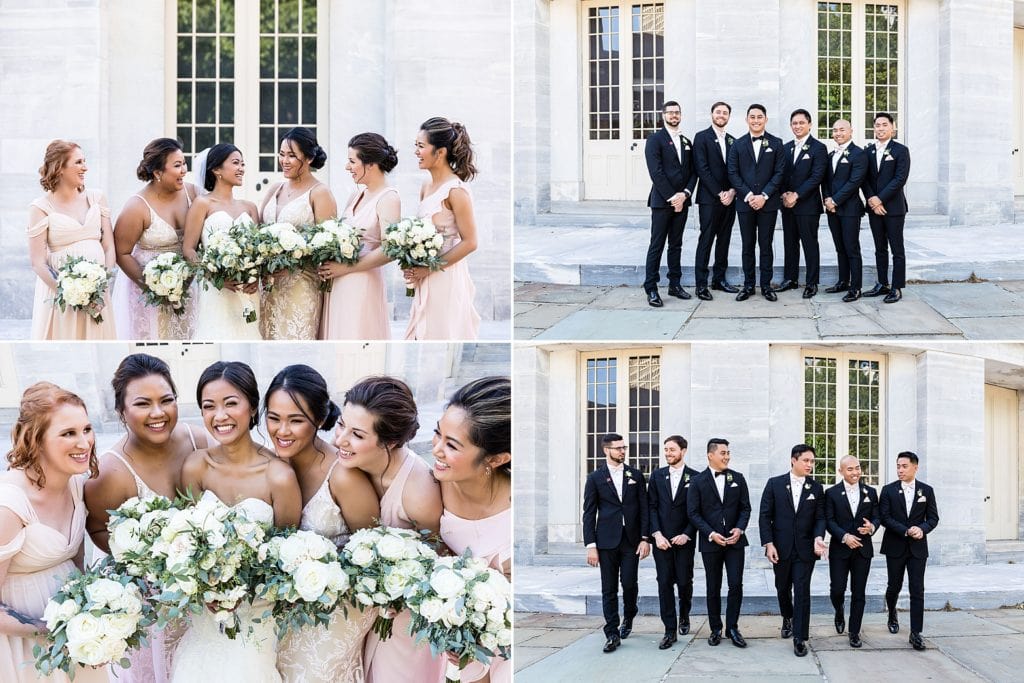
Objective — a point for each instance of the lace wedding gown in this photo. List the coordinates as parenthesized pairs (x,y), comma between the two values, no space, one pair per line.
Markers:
(221,312)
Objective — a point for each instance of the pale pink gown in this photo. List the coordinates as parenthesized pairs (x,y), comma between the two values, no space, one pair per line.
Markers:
(399,658)
(41,559)
(357,306)
(66,237)
(443,305)
(489,538)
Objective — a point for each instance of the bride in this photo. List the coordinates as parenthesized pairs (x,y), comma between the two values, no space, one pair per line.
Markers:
(221,313)
(250,479)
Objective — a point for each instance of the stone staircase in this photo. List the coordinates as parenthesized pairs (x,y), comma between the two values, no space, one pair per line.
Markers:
(1004,552)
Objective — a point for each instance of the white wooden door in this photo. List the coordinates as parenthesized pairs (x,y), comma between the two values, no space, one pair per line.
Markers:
(624,73)
(1001,463)
(1018,111)
(187,361)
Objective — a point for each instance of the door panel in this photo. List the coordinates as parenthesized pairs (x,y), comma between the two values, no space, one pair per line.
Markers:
(1001,463)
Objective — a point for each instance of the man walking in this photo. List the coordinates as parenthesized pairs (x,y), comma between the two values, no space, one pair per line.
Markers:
(806,161)
(717,201)
(888,170)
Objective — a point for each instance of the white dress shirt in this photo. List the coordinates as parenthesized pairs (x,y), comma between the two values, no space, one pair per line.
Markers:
(838,155)
(853,496)
(757,146)
(798,147)
(677,144)
(879,153)
(721,140)
(908,495)
(616,474)
(796,484)
(675,475)
(720,484)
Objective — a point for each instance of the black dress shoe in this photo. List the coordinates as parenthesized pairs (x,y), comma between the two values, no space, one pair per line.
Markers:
(892,297)
(840,622)
(653,299)
(703,294)
(725,287)
(787,285)
(715,638)
(893,623)
(878,290)
(745,294)
(684,626)
(612,643)
(627,628)
(769,294)
(736,637)
(787,628)
(837,287)
(916,641)
(799,648)
(667,641)
(679,293)
(855,640)
(852,295)
(810,291)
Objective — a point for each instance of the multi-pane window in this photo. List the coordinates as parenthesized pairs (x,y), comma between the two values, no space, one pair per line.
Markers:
(205,73)
(859,48)
(602,406)
(843,412)
(603,63)
(648,25)
(645,412)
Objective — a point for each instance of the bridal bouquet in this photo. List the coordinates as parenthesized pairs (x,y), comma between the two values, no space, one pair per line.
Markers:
(133,529)
(302,576)
(463,607)
(167,279)
(230,251)
(385,563)
(80,285)
(94,619)
(333,240)
(281,246)
(413,242)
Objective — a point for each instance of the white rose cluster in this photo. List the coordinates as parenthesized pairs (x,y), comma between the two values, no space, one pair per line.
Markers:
(414,242)
(333,240)
(231,251)
(282,246)
(167,278)
(81,284)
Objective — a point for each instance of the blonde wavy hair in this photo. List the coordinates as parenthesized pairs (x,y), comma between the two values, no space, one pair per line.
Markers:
(54,161)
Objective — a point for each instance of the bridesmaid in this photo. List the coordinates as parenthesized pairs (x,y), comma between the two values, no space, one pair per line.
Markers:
(443,306)
(357,307)
(153,450)
(336,502)
(473,463)
(377,422)
(291,309)
(142,233)
(67,221)
(42,522)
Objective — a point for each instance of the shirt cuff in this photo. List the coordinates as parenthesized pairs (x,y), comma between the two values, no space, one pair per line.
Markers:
(591,545)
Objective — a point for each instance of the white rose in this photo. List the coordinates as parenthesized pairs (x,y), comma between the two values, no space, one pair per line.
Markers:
(126,537)
(91,652)
(337,579)
(394,584)
(103,591)
(113,648)
(362,556)
(504,636)
(311,580)
(83,627)
(179,552)
(496,615)
(454,613)
(391,548)
(293,551)
(490,641)
(119,626)
(447,583)
(432,609)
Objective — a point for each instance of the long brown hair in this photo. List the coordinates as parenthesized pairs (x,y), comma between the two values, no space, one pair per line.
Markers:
(54,161)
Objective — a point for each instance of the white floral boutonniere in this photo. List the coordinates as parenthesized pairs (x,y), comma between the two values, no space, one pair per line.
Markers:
(728,477)
(887,155)
(805,147)
(846,152)
(921,499)
(629,474)
(864,491)
(729,139)
(686,478)
(807,486)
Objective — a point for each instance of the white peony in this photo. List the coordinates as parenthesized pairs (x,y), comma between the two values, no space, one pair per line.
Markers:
(120,626)
(432,609)
(447,583)
(104,591)
(83,627)
(126,537)
(90,652)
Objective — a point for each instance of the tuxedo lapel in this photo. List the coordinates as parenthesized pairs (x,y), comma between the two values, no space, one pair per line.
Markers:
(611,484)
(804,492)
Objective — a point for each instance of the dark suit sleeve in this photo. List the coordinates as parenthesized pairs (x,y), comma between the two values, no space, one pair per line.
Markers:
(875,518)
(858,171)
(819,161)
(693,504)
(778,173)
(931,513)
(831,524)
(652,152)
(652,500)
(744,518)
(819,513)
(702,168)
(687,155)
(885,512)
(899,179)
(645,513)
(691,528)
(734,173)
(764,521)
(590,511)
(868,183)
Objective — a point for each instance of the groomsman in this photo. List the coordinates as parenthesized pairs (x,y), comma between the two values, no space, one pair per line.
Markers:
(909,513)
(847,168)
(670,165)
(718,504)
(757,165)
(674,538)
(792,528)
(888,170)
(806,161)
(716,199)
(615,519)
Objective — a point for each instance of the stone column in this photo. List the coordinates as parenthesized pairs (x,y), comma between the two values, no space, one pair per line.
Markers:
(531,117)
(530,460)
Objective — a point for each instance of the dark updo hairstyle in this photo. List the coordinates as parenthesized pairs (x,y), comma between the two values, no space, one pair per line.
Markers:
(442,133)
(304,139)
(488,405)
(238,375)
(215,158)
(391,402)
(372,148)
(305,383)
(154,157)
(137,366)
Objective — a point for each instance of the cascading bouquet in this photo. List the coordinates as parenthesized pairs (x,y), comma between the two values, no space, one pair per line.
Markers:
(333,240)
(384,563)
(230,251)
(282,246)
(464,607)
(94,619)
(80,285)
(301,575)
(168,278)
(413,242)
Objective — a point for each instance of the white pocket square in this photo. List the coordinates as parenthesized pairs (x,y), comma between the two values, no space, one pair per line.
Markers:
(843,161)
(734,485)
(921,499)
(810,497)
(768,149)
(885,159)
(805,157)
(632,482)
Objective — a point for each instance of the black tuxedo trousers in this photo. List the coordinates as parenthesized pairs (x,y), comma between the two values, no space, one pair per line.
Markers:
(887,232)
(666,225)
(757,230)
(793,588)
(896,565)
(846,238)
(856,567)
(731,559)
(715,229)
(800,230)
(618,563)
(675,573)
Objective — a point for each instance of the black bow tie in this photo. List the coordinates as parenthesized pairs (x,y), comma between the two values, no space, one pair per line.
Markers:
(757,138)
(720,474)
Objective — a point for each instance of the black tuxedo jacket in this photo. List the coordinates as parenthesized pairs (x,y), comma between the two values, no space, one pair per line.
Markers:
(792,531)
(893,512)
(840,521)
(762,177)
(710,513)
(606,519)
(805,176)
(669,175)
(710,165)
(843,184)
(668,513)
(887,182)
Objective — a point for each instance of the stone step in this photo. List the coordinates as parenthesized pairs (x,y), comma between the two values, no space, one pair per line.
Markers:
(1009,552)
(641,218)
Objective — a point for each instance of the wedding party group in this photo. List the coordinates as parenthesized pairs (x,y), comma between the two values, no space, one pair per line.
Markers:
(755,177)
(682,508)
(195,262)
(305,559)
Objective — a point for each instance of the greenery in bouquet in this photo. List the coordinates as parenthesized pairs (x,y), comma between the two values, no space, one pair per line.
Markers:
(168,278)
(80,285)
(333,240)
(413,242)
(230,252)
(281,246)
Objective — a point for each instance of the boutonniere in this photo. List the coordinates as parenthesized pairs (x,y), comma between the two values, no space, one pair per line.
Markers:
(846,153)
(805,147)
(886,155)
(686,478)
(629,474)
(609,480)
(864,491)
(764,142)
(729,139)
(807,486)
(728,477)
(921,499)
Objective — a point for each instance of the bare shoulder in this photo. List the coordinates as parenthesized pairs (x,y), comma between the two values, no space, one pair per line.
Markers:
(321,191)
(279,471)
(195,463)
(348,479)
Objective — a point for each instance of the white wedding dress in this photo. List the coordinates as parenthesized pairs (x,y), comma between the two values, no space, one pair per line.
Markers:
(221,312)
(206,654)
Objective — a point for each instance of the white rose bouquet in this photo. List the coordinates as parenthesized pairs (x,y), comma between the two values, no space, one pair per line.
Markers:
(301,575)
(463,607)
(167,278)
(413,242)
(80,285)
(133,529)
(384,563)
(232,253)
(94,619)
(282,246)
(333,240)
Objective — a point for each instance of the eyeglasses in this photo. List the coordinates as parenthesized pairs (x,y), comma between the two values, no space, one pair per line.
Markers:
(616,448)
